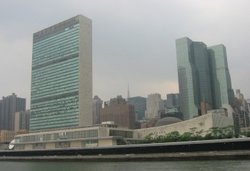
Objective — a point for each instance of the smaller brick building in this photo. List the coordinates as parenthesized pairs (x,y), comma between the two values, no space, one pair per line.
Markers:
(120,112)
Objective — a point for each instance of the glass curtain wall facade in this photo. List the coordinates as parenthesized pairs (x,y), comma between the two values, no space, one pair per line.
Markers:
(140,106)
(62,75)
(204,79)
(222,86)
(201,60)
(187,78)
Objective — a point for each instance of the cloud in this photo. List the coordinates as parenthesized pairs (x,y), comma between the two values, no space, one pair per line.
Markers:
(15,67)
(133,41)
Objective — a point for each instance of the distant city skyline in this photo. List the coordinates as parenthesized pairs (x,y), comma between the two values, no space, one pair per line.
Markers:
(133,41)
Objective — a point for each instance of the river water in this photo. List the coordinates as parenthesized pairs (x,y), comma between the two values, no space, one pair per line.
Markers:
(227,165)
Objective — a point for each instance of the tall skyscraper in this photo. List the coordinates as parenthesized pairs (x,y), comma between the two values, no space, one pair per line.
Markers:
(221,82)
(9,105)
(61,90)
(154,106)
(204,79)
(96,107)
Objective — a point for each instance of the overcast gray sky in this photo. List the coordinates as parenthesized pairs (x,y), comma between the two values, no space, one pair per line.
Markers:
(133,40)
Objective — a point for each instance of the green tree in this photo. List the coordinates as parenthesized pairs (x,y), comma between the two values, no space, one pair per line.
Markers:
(149,138)
(186,136)
(172,136)
(194,134)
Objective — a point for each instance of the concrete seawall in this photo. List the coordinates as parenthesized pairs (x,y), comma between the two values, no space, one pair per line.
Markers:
(190,156)
(194,150)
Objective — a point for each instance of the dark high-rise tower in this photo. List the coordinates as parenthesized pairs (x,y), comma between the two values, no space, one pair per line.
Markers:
(140,106)
(9,105)
(96,109)
(221,83)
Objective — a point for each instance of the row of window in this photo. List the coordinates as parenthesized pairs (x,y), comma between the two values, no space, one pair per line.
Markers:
(55,91)
(47,116)
(57,111)
(55,37)
(67,100)
(38,93)
(56,103)
(59,80)
(51,31)
(56,69)
(92,133)
(45,53)
(125,134)
(71,37)
(65,144)
(52,53)
(54,124)
(55,116)
(59,53)
(67,63)
(56,80)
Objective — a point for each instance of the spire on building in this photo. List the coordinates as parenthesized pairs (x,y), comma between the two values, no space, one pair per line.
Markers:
(128,95)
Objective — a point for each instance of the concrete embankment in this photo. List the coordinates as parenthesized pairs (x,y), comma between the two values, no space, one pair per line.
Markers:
(187,156)
(193,150)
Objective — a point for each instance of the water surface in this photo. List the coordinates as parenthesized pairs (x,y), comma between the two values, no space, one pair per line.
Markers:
(228,165)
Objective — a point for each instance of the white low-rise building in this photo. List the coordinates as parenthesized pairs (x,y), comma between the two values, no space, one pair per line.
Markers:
(214,118)
(94,136)
(107,134)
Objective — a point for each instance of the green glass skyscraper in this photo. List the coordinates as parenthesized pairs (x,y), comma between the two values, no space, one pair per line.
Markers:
(61,90)
(221,85)
(204,79)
